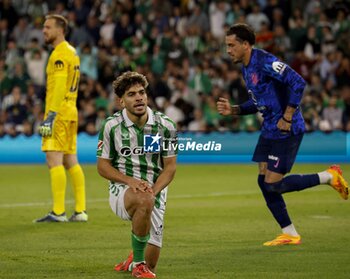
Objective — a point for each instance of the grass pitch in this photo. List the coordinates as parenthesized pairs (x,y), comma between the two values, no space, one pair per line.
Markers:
(215,225)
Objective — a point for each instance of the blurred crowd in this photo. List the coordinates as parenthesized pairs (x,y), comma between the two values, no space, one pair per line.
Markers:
(179,46)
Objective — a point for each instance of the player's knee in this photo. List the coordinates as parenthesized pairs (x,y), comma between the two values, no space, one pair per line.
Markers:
(145,202)
(274,187)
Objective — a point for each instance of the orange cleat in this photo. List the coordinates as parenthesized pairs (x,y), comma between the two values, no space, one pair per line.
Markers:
(284,239)
(124,266)
(338,182)
(142,271)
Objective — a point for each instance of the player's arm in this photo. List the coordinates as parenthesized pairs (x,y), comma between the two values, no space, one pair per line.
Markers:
(295,84)
(106,170)
(290,78)
(166,175)
(225,108)
(105,151)
(59,90)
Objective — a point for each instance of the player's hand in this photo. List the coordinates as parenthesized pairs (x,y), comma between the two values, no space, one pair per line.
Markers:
(284,125)
(224,107)
(46,126)
(139,185)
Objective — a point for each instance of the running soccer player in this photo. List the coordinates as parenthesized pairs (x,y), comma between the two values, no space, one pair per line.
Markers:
(60,127)
(136,153)
(275,90)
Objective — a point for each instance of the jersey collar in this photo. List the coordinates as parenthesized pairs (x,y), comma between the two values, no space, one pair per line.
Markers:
(129,123)
(61,44)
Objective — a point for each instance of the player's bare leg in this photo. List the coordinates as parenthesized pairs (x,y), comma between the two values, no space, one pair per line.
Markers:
(152,256)
(139,205)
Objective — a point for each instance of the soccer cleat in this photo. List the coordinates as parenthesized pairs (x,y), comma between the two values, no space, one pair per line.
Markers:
(284,239)
(142,271)
(338,182)
(79,217)
(52,217)
(124,266)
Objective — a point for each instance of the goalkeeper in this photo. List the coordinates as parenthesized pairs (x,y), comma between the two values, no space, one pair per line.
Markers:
(60,125)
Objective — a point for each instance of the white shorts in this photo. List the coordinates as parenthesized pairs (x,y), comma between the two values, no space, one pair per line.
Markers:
(116,202)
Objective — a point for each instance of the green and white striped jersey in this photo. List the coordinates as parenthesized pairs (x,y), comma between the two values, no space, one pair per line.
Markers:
(138,152)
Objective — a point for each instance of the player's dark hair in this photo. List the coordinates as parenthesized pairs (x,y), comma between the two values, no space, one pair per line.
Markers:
(127,80)
(243,32)
(61,21)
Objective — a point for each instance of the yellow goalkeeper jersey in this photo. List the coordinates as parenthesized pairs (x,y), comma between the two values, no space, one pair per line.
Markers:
(63,74)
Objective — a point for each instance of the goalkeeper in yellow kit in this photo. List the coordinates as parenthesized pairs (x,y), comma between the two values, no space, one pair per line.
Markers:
(59,128)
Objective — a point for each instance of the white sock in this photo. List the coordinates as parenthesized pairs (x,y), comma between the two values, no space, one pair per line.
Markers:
(325,177)
(290,230)
(133,264)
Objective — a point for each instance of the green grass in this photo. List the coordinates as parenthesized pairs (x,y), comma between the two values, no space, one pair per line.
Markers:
(215,225)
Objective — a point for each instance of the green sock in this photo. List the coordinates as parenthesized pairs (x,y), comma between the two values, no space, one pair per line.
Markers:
(138,244)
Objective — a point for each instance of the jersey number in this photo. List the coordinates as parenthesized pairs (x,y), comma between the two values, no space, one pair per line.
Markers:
(75,80)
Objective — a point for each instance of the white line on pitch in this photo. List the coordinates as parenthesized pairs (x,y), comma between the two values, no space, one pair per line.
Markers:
(189,196)
(216,194)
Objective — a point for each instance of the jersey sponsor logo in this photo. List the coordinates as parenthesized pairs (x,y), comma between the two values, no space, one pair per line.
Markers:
(278,67)
(126,151)
(152,143)
(59,65)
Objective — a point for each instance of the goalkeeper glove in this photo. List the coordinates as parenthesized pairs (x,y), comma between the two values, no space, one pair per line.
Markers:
(45,128)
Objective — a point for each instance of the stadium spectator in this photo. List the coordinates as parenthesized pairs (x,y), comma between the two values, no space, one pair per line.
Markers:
(217,13)
(198,20)
(124,30)
(256,18)
(138,196)
(276,91)
(36,31)
(331,116)
(106,32)
(137,47)
(88,60)
(21,33)
(93,29)
(198,123)
(81,10)
(37,8)
(342,73)
(79,35)
(36,61)
(14,97)
(9,13)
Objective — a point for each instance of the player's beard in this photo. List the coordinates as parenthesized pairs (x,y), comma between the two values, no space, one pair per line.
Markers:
(236,60)
(137,111)
(49,40)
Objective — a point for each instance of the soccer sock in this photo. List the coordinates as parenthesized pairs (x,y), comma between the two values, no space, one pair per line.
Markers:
(290,230)
(324,177)
(294,182)
(138,244)
(275,203)
(58,187)
(78,183)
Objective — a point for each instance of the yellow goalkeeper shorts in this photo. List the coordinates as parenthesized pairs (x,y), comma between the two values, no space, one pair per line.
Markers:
(63,138)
